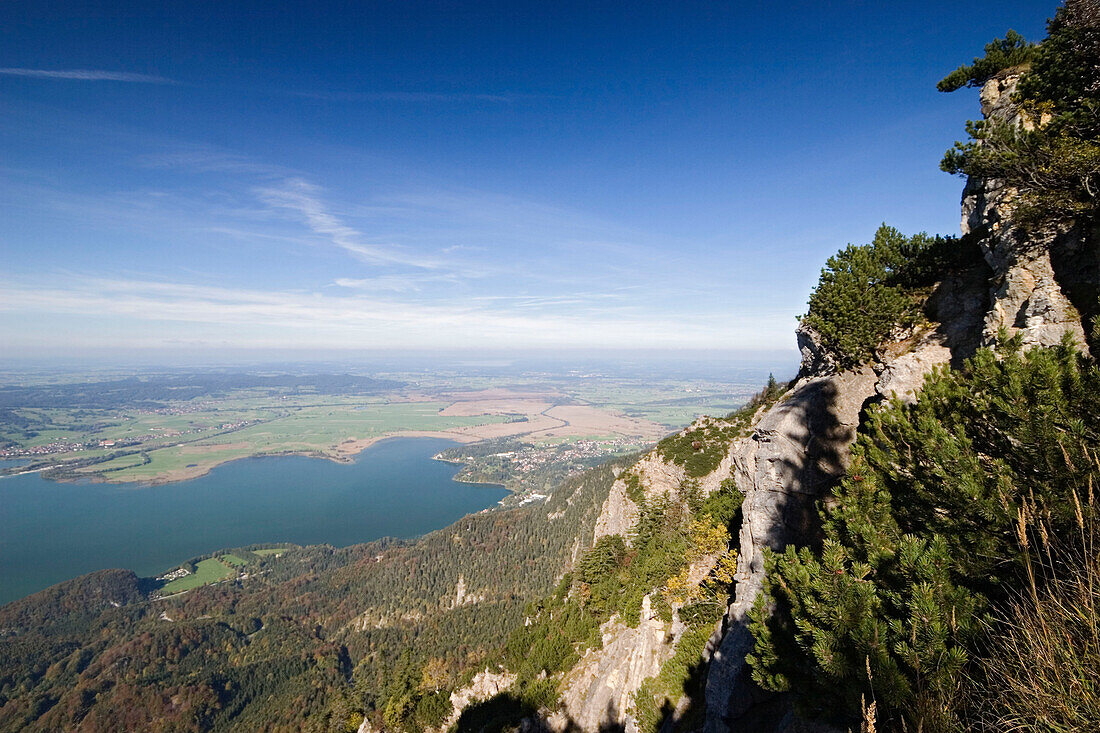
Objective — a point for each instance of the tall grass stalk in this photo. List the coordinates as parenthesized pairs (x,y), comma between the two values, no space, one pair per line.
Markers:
(1042,672)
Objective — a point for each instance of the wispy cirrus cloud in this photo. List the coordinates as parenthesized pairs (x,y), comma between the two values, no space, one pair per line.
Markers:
(411,283)
(301,198)
(205,159)
(86,75)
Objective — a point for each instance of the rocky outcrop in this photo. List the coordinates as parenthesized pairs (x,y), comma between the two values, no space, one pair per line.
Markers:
(600,689)
(957,309)
(618,515)
(995,98)
(797,449)
(793,452)
(1037,273)
(1034,272)
(902,377)
(658,477)
(816,359)
(462,596)
(483,686)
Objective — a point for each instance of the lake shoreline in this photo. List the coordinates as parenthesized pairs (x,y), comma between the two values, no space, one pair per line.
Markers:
(344,453)
(396,490)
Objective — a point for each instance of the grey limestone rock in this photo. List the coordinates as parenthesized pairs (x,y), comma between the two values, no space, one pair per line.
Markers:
(1035,272)
(816,359)
(599,690)
(798,448)
(618,515)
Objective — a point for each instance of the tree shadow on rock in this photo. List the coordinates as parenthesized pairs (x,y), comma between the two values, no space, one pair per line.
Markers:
(803,450)
(508,712)
(689,713)
(499,713)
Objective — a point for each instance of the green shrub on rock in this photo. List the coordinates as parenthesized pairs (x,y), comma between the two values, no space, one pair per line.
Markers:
(1050,155)
(927,537)
(868,292)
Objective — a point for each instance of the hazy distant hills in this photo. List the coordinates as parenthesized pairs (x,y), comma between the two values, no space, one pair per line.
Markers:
(152,391)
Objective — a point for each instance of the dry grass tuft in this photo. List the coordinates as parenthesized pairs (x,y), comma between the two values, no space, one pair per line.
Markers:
(1043,668)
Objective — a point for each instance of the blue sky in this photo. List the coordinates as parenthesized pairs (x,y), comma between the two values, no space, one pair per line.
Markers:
(299,177)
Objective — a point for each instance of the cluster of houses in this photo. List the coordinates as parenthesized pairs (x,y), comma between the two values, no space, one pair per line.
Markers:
(528,459)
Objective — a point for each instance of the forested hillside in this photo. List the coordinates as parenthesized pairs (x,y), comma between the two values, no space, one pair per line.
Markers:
(313,639)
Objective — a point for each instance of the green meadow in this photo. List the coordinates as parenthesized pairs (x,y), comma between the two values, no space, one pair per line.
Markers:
(267,551)
(234,560)
(207,571)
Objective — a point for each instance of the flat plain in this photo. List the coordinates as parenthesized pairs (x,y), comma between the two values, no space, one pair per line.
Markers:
(176,439)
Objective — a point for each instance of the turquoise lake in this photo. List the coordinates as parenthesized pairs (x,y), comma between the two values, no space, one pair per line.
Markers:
(52,531)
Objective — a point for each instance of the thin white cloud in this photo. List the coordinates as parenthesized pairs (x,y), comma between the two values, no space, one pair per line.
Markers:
(201,159)
(86,75)
(302,199)
(140,310)
(413,283)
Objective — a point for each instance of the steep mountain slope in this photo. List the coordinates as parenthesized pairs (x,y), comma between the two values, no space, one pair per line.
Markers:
(1006,278)
(1019,292)
(780,458)
(886,316)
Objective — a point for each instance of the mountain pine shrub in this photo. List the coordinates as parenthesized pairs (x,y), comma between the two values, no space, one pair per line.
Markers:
(868,292)
(1053,160)
(1009,52)
(922,540)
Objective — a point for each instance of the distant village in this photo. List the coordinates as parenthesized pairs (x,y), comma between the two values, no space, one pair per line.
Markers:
(529,459)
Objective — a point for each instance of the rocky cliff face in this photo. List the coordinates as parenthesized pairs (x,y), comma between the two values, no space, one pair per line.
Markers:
(1027,286)
(1037,275)
(796,450)
(600,689)
(795,453)
(790,454)
(656,477)
(1031,283)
